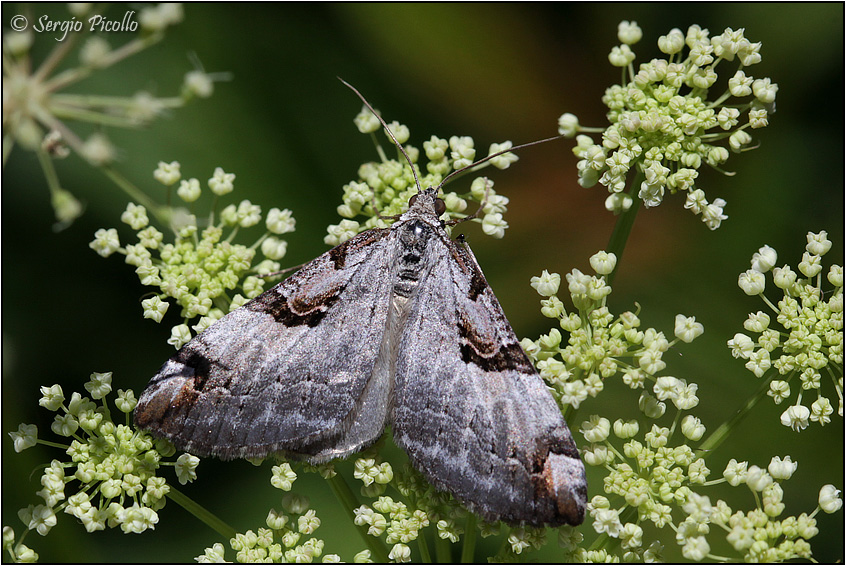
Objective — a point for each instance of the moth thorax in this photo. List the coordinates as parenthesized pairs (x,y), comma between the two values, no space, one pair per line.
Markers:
(415,235)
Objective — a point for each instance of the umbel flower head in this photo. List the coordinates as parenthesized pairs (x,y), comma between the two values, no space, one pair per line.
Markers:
(384,188)
(663,477)
(665,122)
(655,466)
(202,270)
(599,345)
(109,476)
(797,343)
(36,113)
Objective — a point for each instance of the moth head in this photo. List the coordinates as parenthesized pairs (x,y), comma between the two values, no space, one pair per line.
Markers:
(431,192)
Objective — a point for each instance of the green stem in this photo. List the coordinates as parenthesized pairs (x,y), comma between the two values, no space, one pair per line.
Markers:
(58,197)
(675,423)
(115,102)
(443,550)
(469,547)
(599,542)
(20,540)
(423,545)
(76,74)
(502,549)
(382,157)
(570,414)
(769,303)
(85,115)
(135,194)
(201,513)
(56,55)
(622,229)
(8,145)
(349,502)
(232,235)
(265,236)
(49,171)
(718,436)
(52,444)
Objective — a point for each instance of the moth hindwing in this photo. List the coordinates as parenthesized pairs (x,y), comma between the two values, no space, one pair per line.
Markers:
(396,326)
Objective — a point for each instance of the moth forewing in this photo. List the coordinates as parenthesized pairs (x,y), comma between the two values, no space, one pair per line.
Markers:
(259,381)
(471,411)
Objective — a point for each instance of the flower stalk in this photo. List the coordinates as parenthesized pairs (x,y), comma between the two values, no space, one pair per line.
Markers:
(348,501)
(201,513)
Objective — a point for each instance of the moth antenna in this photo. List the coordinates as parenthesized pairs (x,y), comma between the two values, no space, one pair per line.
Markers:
(390,133)
(280,272)
(478,210)
(491,156)
(376,210)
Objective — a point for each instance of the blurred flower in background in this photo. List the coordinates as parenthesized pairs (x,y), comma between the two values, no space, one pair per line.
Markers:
(37,113)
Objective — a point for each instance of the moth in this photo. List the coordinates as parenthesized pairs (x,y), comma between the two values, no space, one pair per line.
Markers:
(395,327)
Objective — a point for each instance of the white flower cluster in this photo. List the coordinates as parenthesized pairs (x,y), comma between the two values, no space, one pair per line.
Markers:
(663,124)
(662,481)
(201,267)
(599,345)
(803,346)
(110,477)
(384,188)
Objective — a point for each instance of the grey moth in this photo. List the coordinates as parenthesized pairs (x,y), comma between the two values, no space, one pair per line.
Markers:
(395,327)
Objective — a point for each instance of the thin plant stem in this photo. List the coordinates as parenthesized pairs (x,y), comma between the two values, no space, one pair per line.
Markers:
(423,545)
(20,540)
(136,194)
(599,542)
(201,513)
(81,114)
(56,55)
(49,171)
(8,145)
(382,157)
(52,444)
(469,547)
(570,414)
(114,102)
(443,550)
(76,74)
(718,436)
(349,502)
(622,229)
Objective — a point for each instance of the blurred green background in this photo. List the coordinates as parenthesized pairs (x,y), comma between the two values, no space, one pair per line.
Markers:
(283,124)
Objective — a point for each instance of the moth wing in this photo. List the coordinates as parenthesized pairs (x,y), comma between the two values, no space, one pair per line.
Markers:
(289,371)
(471,411)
